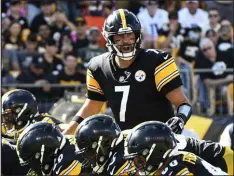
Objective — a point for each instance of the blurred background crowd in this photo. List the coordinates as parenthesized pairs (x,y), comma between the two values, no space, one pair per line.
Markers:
(47,44)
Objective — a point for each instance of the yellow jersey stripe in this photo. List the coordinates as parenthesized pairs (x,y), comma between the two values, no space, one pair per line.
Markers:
(75,170)
(123,19)
(92,82)
(68,168)
(161,65)
(165,72)
(228,157)
(47,119)
(94,89)
(89,73)
(183,172)
(167,80)
(121,168)
(189,174)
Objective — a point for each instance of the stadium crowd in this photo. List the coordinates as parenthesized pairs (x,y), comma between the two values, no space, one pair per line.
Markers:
(51,42)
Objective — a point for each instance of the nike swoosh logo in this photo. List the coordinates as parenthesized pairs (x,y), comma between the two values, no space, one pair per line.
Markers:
(165,57)
(57,172)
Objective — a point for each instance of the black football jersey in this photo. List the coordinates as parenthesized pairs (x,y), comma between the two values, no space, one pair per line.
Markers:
(186,163)
(214,153)
(10,164)
(116,164)
(68,161)
(137,93)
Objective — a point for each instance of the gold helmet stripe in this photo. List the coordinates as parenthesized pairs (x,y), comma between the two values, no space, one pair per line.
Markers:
(123,19)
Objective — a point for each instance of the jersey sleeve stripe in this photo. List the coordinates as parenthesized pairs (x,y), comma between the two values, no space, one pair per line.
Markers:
(183,172)
(68,168)
(89,73)
(165,65)
(228,158)
(94,89)
(92,82)
(161,65)
(75,169)
(167,79)
(165,72)
(47,119)
(121,168)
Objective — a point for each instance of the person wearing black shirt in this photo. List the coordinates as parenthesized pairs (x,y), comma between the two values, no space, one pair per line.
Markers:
(15,14)
(81,37)
(44,17)
(25,57)
(68,75)
(218,61)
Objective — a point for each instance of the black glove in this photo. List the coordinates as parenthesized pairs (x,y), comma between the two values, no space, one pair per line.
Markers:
(176,124)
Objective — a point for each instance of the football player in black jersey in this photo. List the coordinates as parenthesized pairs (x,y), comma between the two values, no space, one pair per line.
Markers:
(43,147)
(152,147)
(19,110)
(136,82)
(102,143)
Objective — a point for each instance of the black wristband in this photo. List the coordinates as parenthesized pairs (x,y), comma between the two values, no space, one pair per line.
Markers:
(77,119)
(184,111)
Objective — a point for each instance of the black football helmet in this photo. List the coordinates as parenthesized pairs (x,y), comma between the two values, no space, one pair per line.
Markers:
(95,137)
(18,109)
(147,145)
(122,21)
(38,145)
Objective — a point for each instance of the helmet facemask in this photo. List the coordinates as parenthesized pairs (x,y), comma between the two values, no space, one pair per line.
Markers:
(119,49)
(16,120)
(97,153)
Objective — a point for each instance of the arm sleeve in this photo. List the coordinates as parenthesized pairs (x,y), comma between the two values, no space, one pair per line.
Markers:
(94,90)
(167,75)
(212,152)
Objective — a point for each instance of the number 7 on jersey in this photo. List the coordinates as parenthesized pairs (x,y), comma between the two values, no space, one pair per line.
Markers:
(123,106)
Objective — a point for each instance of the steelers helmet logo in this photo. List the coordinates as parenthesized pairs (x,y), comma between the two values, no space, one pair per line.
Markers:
(140,75)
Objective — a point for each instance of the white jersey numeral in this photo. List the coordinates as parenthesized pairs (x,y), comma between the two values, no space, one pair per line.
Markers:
(123,106)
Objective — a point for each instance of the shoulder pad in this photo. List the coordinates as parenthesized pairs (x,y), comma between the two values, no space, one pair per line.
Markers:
(96,62)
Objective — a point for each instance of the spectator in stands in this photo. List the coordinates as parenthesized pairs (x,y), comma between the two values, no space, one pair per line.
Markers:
(44,34)
(190,46)
(93,49)
(212,35)
(26,56)
(68,75)
(7,78)
(225,8)
(214,21)
(193,15)
(185,60)
(81,36)
(12,37)
(171,42)
(9,59)
(60,24)
(47,8)
(225,40)
(152,18)
(15,13)
(48,61)
(217,80)
(65,45)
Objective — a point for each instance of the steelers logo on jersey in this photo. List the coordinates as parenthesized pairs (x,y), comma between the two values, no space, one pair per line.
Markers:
(140,75)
